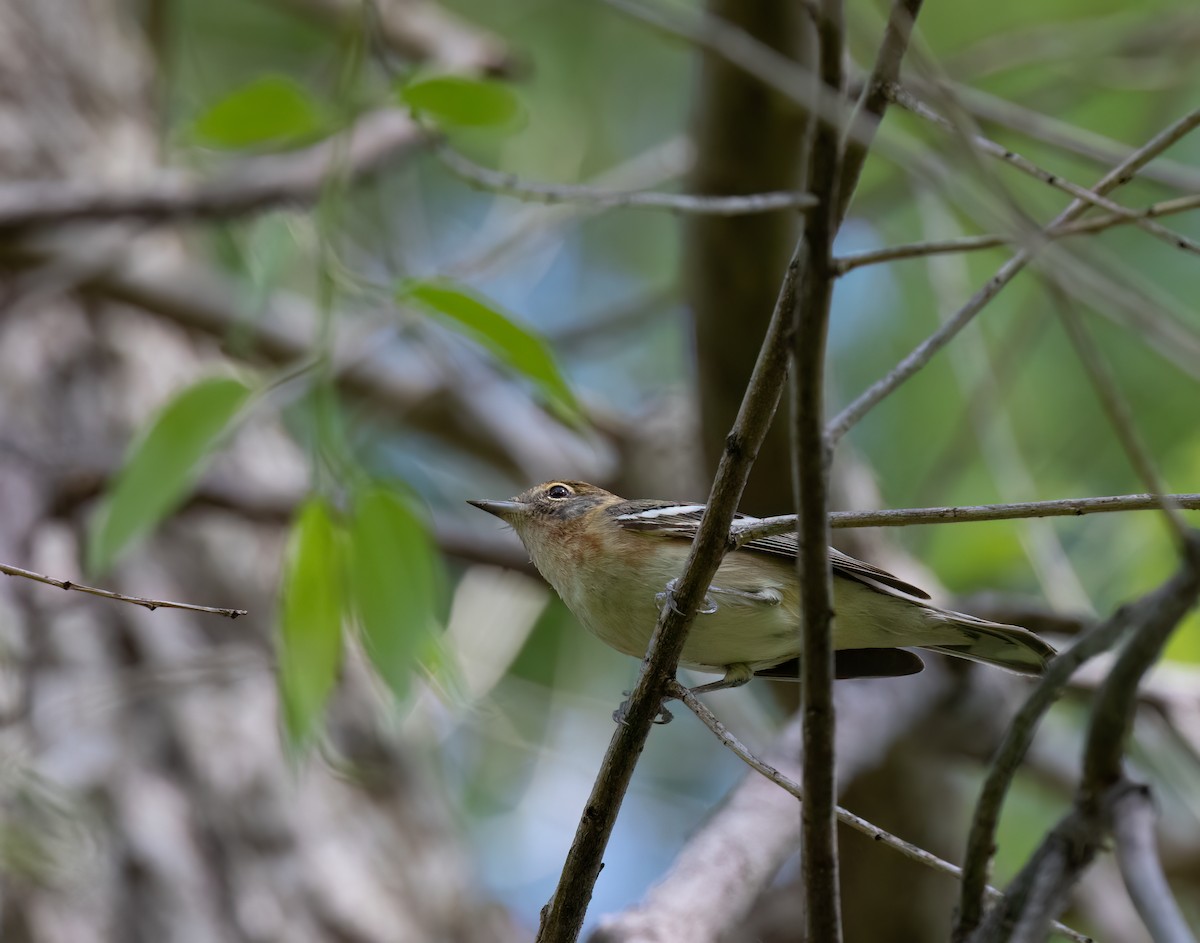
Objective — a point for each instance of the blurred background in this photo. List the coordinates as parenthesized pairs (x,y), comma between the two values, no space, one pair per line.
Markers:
(260,340)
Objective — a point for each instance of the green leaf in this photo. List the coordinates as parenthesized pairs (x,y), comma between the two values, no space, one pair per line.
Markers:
(310,626)
(462,102)
(395,581)
(273,109)
(516,346)
(162,466)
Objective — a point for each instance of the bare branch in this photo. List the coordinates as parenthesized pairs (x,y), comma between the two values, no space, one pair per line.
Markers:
(512,185)
(874,98)
(856,822)
(1069,137)
(1070,846)
(914,250)
(1137,857)
(810,469)
(745,531)
(1112,714)
(504,427)
(256,184)
(150,604)
(702,897)
(563,916)
(989,147)
(926,350)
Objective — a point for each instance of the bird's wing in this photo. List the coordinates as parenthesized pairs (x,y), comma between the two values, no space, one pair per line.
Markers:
(667,519)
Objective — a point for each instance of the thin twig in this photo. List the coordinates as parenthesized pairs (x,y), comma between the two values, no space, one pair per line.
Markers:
(846,817)
(1137,857)
(563,917)
(926,350)
(1105,151)
(989,147)
(512,185)
(744,531)
(915,250)
(150,604)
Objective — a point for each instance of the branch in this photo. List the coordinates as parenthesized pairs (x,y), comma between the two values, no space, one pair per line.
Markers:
(1105,151)
(915,250)
(563,916)
(1116,700)
(503,427)
(746,530)
(810,468)
(150,604)
(859,824)
(989,147)
(874,99)
(255,184)
(925,351)
(731,858)
(1156,614)
(512,185)
(1137,857)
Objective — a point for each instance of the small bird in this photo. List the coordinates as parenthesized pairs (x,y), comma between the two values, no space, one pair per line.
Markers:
(615,561)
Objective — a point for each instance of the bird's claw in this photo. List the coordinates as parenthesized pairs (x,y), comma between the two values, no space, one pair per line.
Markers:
(619,715)
(667,596)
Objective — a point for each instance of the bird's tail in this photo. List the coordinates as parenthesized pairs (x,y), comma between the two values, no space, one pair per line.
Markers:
(992,643)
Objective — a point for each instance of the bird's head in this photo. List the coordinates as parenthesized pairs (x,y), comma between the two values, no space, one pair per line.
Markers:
(550,515)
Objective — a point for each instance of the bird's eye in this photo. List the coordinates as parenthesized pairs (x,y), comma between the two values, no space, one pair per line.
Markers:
(558,492)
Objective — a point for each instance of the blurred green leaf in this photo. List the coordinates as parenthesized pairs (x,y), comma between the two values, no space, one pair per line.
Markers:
(310,627)
(516,346)
(273,109)
(395,581)
(462,102)
(162,466)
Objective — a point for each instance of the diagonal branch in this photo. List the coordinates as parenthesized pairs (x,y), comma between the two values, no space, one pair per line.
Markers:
(873,101)
(925,351)
(856,822)
(1070,847)
(989,147)
(563,916)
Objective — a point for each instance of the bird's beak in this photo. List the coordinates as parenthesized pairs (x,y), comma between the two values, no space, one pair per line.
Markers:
(505,510)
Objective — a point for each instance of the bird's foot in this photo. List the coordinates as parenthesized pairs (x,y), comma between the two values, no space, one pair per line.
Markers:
(667,596)
(735,677)
(619,715)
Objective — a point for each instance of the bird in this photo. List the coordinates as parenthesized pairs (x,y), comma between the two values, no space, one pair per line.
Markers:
(615,562)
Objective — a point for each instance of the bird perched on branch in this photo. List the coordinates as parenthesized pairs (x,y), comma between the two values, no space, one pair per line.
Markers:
(614,562)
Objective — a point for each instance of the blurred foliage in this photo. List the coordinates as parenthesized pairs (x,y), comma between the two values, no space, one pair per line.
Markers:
(455,101)
(163,465)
